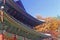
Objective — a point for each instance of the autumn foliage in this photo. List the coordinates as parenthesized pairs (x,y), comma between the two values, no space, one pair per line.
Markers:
(50,26)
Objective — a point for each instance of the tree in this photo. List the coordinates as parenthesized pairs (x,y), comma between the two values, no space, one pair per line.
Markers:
(51,26)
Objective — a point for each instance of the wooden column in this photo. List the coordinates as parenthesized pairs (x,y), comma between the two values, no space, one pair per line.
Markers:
(1,37)
(14,37)
(1,15)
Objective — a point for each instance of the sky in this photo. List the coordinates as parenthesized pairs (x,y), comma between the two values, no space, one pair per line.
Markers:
(44,8)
